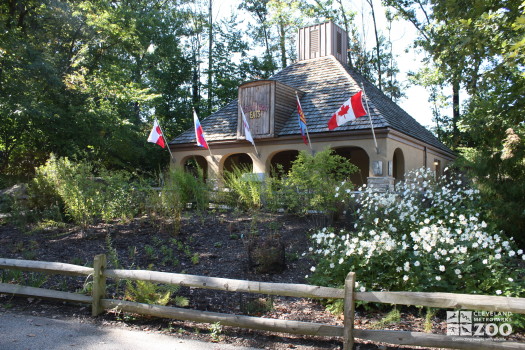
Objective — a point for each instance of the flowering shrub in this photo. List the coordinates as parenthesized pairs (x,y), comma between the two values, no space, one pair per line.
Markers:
(426,236)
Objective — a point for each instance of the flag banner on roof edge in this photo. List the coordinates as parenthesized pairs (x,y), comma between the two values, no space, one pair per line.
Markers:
(155,136)
(247,132)
(302,121)
(350,110)
(199,133)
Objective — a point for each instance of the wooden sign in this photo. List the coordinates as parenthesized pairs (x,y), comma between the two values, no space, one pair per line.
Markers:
(267,104)
(255,100)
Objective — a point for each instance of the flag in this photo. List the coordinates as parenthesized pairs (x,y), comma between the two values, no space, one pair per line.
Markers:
(199,133)
(302,121)
(155,136)
(247,132)
(350,110)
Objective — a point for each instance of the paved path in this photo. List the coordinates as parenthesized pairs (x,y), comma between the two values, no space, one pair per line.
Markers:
(23,332)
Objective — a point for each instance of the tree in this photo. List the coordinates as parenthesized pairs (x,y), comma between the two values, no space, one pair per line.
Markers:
(285,16)
(231,61)
(377,47)
(261,33)
(478,46)
(83,78)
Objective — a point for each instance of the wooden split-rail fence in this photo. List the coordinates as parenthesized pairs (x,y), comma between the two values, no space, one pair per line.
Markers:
(347,331)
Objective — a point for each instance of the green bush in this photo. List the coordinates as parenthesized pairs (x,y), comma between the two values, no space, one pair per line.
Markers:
(244,189)
(123,195)
(180,189)
(313,183)
(309,187)
(73,188)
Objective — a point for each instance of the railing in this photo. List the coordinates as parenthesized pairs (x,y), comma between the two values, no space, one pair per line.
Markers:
(347,332)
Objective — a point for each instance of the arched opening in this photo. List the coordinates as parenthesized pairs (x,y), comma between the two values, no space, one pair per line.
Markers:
(281,162)
(359,158)
(398,165)
(197,165)
(238,160)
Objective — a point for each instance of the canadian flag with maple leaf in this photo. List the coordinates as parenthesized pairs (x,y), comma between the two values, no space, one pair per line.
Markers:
(350,110)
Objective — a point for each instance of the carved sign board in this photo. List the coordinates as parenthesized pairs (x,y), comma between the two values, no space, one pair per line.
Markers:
(267,104)
(256,101)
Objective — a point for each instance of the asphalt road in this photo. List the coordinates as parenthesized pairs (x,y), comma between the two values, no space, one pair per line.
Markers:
(23,332)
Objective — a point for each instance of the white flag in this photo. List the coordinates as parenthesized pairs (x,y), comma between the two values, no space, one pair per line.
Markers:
(247,132)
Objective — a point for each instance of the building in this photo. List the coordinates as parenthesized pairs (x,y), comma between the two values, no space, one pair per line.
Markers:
(323,81)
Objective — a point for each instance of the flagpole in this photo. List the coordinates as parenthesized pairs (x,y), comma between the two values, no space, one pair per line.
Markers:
(370,118)
(165,141)
(207,143)
(307,133)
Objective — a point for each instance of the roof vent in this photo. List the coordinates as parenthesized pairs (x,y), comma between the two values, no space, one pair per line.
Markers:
(322,40)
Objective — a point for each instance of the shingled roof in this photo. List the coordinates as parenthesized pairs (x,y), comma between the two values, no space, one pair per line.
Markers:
(326,84)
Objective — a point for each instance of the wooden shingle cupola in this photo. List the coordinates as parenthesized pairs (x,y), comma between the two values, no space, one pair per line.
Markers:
(321,40)
(267,105)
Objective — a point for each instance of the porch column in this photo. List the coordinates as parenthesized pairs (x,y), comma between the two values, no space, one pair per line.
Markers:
(381,179)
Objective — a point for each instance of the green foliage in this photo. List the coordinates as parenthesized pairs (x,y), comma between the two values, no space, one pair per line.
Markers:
(427,236)
(61,183)
(310,186)
(112,253)
(478,48)
(195,258)
(500,175)
(180,189)
(215,331)
(147,293)
(79,77)
(431,312)
(31,279)
(181,301)
(245,189)
(392,317)
(314,182)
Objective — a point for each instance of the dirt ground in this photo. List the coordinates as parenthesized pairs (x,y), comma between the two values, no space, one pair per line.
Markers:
(213,245)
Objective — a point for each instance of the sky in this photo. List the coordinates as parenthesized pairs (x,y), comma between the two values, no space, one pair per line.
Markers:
(403,34)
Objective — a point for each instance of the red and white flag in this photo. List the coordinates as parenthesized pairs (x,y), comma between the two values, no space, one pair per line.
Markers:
(155,136)
(350,110)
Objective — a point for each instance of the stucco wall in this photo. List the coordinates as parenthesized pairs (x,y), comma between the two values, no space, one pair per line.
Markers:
(414,153)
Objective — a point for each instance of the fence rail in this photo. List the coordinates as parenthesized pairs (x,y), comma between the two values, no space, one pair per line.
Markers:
(347,332)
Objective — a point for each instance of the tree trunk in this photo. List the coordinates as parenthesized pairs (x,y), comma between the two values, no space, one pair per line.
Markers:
(210,60)
(195,97)
(138,80)
(455,112)
(345,20)
(282,43)
(379,82)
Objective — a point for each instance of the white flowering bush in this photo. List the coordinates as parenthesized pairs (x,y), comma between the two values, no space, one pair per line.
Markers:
(427,235)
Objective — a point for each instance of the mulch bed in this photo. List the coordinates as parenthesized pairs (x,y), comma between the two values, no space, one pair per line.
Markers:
(215,245)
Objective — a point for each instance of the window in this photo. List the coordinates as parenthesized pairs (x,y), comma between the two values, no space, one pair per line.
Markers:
(339,43)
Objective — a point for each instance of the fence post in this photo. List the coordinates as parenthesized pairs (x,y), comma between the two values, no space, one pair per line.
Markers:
(349,310)
(99,284)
